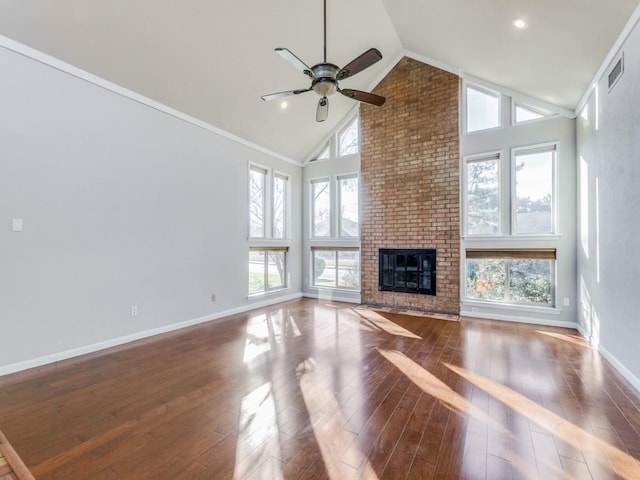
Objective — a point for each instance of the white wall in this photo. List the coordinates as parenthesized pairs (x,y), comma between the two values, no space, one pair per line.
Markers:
(122,205)
(608,148)
(551,129)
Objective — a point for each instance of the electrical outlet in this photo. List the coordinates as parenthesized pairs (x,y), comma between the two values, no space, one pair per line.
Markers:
(134,311)
(566,302)
(213,297)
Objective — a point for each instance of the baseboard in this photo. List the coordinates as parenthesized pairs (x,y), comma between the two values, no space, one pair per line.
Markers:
(332,296)
(622,370)
(516,319)
(76,352)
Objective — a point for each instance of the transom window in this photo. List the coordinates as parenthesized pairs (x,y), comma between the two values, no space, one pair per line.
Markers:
(482,109)
(349,139)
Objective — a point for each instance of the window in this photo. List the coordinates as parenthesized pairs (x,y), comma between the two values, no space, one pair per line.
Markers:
(267,188)
(320,208)
(336,267)
(348,206)
(280,199)
(528,206)
(523,277)
(268,221)
(483,195)
(325,154)
(533,190)
(257,201)
(525,113)
(348,139)
(482,109)
(267,269)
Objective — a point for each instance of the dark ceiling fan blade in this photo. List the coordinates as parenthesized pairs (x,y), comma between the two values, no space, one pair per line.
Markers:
(273,96)
(323,109)
(358,64)
(295,61)
(366,97)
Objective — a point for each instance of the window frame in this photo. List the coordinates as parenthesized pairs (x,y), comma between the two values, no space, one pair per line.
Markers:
(533,149)
(488,156)
(541,111)
(355,120)
(336,251)
(285,280)
(286,229)
(312,205)
(338,215)
(465,107)
(264,172)
(509,256)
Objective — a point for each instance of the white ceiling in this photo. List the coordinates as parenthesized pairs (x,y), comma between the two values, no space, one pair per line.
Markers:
(212,59)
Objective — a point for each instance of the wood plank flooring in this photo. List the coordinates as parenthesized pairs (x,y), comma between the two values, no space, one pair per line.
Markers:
(317,390)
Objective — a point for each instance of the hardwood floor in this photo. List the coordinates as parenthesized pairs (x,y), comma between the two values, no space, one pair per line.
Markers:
(313,390)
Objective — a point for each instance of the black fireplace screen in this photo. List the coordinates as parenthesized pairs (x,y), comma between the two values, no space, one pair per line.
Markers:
(408,271)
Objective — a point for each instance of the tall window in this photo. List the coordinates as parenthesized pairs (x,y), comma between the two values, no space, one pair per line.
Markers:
(321,208)
(268,221)
(348,139)
(268,203)
(280,199)
(483,195)
(534,180)
(336,267)
(525,277)
(257,201)
(482,109)
(348,206)
(527,209)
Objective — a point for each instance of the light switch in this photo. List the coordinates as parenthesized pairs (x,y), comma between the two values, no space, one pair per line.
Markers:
(16,225)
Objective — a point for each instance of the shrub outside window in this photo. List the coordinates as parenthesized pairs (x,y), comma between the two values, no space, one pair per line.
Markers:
(522,277)
(336,267)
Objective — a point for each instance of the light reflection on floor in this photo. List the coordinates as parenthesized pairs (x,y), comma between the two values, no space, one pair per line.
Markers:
(258,442)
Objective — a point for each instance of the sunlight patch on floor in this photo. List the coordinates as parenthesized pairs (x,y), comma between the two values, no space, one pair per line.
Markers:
(379,322)
(432,385)
(328,423)
(610,457)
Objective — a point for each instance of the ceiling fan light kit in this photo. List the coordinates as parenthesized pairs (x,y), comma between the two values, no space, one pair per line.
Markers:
(325,77)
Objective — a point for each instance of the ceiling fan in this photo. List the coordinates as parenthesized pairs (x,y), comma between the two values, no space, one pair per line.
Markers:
(325,77)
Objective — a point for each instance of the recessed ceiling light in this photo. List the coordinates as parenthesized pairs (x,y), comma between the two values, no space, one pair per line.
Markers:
(520,23)
(284,105)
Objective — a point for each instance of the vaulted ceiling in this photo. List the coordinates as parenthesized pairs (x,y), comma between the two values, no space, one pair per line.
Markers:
(213,59)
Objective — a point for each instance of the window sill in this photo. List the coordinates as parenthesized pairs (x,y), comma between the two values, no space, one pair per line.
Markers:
(469,305)
(268,293)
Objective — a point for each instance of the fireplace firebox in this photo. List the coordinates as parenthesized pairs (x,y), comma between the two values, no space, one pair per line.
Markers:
(407,270)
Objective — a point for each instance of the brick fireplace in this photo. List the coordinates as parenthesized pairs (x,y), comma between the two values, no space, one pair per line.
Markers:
(410,181)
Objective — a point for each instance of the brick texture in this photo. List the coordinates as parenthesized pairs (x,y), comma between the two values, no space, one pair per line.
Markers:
(411,181)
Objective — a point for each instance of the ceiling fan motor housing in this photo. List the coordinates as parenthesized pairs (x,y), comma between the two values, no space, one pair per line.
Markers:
(325,83)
